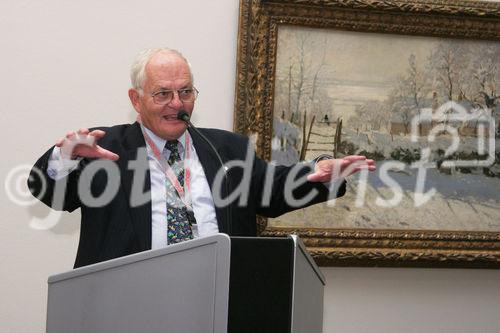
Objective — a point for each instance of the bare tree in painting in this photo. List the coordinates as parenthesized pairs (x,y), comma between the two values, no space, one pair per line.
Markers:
(409,94)
(485,77)
(298,82)
(362,112)
(370,116)
(447,63)
(485,74)
(417,83)
(355,122)
(304,83)
(468,72)
(300,95)
(380,117)
(313,105)
(289,93)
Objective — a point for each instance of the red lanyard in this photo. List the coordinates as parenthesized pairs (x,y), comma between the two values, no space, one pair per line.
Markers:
(169,173)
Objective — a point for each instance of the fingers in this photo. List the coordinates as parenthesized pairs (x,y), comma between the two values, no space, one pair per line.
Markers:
(354,158)
(59,142)
(371,165)
(363,167)
(82,143)
(71,136)
(355,164)
(357,159)
(106,154)
(81,134)
(83,131)
(67,138)
(314,177)
(97,134)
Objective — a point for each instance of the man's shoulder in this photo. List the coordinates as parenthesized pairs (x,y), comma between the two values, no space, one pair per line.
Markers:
(123,134)
(223,136)
(229,144)
(115,130)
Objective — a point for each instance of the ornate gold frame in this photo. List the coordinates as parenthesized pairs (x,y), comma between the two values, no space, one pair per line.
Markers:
(257,44)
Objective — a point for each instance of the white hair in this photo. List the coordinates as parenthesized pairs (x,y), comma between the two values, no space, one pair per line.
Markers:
(138,68)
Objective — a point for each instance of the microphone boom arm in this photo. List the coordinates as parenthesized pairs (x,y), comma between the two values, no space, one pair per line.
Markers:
(184,116)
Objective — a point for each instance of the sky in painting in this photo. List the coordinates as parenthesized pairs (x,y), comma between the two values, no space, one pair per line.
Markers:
(359,67)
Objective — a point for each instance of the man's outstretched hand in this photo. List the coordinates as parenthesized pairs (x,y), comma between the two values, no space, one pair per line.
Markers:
(82,143)
(332,169)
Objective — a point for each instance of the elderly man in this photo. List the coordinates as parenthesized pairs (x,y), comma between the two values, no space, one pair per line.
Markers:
(156,182)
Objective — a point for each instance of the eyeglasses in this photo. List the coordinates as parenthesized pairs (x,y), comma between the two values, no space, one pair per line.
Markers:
(163,97)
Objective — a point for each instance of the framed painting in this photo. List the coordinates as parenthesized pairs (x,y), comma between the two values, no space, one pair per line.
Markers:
(414,85)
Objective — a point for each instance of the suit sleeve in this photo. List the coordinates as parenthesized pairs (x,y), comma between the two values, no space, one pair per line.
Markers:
(280,189)
(59,195)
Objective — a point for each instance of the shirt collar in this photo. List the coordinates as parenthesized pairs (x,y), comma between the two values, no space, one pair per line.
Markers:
(160,142)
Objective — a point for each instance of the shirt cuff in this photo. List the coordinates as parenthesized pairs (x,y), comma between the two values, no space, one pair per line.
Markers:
(332,184)
(59,167)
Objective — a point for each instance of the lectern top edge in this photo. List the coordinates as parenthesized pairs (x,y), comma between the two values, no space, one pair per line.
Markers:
(223,240)
(301,246)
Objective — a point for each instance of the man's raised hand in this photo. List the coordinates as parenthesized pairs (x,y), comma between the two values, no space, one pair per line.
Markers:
(332,169)
(82,143)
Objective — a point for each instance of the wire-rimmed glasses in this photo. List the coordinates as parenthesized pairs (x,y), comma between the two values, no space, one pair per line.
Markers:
(163,97)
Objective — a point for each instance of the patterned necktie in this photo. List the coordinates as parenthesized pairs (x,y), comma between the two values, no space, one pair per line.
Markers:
(178,226)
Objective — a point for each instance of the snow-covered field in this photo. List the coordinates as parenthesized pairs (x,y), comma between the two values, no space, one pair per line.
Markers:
(461,201)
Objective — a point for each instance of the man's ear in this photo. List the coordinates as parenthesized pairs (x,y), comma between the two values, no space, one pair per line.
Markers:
(134,98)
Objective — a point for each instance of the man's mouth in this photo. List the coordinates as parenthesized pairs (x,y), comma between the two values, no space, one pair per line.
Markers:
(170,117)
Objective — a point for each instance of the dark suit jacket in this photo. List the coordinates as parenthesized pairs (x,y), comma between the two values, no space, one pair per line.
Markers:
(118,229)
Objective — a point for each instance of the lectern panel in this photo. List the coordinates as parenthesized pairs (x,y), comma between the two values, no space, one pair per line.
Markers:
(307,294)
(211,284)
(260,296)
(147,292)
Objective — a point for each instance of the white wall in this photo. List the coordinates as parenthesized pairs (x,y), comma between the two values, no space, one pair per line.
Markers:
(65,65)
(395,300)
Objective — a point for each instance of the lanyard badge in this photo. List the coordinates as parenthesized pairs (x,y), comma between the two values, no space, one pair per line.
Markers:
(171,177)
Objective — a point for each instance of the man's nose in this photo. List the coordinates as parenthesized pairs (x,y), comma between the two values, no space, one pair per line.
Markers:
(176,101)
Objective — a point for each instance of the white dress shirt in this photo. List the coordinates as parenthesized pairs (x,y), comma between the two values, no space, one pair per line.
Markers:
(200,194)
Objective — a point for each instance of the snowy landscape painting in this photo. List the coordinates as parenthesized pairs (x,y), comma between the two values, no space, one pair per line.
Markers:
(427,109)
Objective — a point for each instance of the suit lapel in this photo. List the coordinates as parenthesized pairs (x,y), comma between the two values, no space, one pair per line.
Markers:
(140,214)
(211,166)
